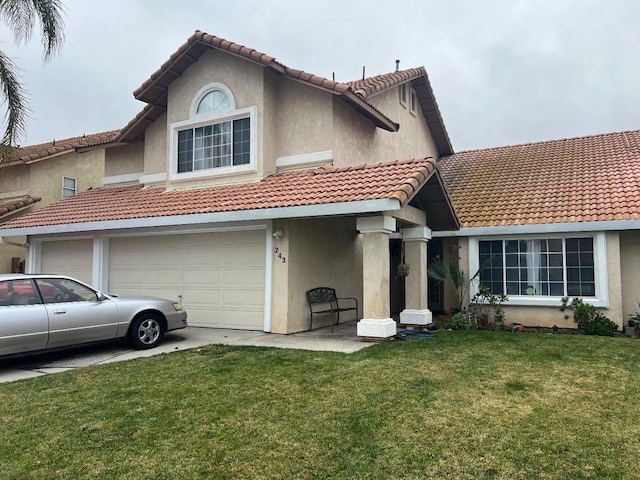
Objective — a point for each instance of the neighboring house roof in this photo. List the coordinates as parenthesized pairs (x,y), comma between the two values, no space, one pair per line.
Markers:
(584,179)
(399,180)
(154,90)
(11,206)
(41,151)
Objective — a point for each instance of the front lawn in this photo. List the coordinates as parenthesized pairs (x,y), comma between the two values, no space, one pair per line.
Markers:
(462,405)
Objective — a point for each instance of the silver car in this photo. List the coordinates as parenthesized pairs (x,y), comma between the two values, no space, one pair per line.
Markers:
(42,312)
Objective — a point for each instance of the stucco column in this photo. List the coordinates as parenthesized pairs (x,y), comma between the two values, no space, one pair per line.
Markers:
(376,321)
(416,310)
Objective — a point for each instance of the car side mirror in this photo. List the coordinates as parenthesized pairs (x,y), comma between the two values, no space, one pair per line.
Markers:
(101,296)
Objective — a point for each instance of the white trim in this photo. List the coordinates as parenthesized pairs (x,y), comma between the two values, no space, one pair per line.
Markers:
(416,234)
(35,257)
(416,317)
(313,158)
(342,208)
(268,278)
(601,298)
(405,87)
(413,102)
(542,228)
(153,178)
(379,224)
(99,270)
(207,119)
(376,328)
(124,178)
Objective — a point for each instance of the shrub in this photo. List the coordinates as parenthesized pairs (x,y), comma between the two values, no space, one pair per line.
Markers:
(589,320)
(459,321)
(487,310)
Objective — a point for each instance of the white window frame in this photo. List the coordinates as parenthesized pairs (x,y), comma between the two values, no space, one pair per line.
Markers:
(202,119)
(64,188)
(403,89)
(601,298)
(413,101)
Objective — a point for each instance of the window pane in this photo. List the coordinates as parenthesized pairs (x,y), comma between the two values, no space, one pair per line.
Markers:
(241,141)
(56,290)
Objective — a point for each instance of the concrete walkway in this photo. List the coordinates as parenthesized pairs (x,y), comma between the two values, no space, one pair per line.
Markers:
(343,340)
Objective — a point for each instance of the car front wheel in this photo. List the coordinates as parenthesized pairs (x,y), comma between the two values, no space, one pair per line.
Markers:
(146,332)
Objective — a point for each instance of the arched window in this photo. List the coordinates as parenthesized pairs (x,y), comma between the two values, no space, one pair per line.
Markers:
(214,101)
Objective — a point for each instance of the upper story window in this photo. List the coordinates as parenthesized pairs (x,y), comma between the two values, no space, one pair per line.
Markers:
(413,101)
(217,139)
(69,187)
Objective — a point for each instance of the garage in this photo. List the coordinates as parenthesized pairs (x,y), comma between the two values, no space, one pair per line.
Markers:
(219,277)
(68,257)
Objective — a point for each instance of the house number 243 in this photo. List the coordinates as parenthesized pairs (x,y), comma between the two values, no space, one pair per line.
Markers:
(279,254)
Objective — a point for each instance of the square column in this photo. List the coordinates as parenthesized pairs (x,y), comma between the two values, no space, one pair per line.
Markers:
(376,310)
(416,296)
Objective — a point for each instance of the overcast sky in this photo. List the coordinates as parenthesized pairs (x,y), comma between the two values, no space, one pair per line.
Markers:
(503,71)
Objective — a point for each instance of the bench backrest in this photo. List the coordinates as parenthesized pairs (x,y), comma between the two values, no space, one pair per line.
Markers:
(321,295)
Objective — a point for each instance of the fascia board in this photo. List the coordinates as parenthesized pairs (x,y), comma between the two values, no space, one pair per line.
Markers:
(323,210)
(609,225)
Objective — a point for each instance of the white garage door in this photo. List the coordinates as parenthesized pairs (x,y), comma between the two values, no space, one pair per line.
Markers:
(68,257)
(218,277)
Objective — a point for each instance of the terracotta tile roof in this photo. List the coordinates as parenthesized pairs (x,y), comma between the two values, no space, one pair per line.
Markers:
(34,153)
(10,206)
(399,180)
(154,90)
(370,86)
(585,179)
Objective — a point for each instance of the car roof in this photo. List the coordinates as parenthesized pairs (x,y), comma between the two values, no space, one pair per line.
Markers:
(22,276)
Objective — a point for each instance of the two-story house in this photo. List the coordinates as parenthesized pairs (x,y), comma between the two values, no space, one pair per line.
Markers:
(243,183)
(35,176)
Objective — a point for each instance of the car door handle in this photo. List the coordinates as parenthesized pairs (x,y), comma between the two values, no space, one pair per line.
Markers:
(59,312)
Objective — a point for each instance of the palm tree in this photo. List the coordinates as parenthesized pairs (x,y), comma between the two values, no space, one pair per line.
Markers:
(20,16)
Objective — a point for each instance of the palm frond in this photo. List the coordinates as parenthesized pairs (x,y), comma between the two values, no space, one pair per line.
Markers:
(14,99)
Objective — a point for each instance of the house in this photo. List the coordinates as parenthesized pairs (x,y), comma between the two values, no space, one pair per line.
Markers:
(243,183)
(550,219)
(38,175)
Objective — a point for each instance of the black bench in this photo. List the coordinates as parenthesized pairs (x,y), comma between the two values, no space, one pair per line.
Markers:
(323,300)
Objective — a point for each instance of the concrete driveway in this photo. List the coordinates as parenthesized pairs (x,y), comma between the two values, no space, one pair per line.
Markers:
(343,339)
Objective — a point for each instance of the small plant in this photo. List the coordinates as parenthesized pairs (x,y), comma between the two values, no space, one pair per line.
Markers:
(455,277)
(459,321)
(589,320)
(634,318)
(487,308)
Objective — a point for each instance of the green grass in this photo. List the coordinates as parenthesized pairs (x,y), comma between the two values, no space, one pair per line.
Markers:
(463,405)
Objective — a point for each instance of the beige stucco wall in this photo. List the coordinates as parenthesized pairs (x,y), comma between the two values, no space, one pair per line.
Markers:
(124,159)
(630,271)
(357,140)
(319,253)
(155,147)
(304,119)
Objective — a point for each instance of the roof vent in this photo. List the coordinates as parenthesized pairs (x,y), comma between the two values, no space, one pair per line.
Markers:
(397,65)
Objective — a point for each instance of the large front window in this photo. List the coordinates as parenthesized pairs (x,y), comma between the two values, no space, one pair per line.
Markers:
(539,267)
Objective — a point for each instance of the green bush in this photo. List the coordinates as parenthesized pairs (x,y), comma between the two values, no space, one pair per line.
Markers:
(588,318)
(459,321)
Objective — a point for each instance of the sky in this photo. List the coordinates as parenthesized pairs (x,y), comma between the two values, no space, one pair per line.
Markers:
(503,72)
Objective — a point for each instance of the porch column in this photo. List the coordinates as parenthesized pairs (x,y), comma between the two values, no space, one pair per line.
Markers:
(416,300)
(376,313)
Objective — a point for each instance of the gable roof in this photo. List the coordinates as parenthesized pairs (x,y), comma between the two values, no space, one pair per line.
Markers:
(585,179)
(369,87)
(35,153)
(154,90)
(398,182)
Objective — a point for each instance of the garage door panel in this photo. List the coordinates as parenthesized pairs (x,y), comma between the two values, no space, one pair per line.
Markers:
(248,277)
(68,257)
(245,238)
(252,255)
(202,277)
(220,276)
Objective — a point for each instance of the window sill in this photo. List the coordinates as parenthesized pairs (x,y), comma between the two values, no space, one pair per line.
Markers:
(533,301)
(213,173)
